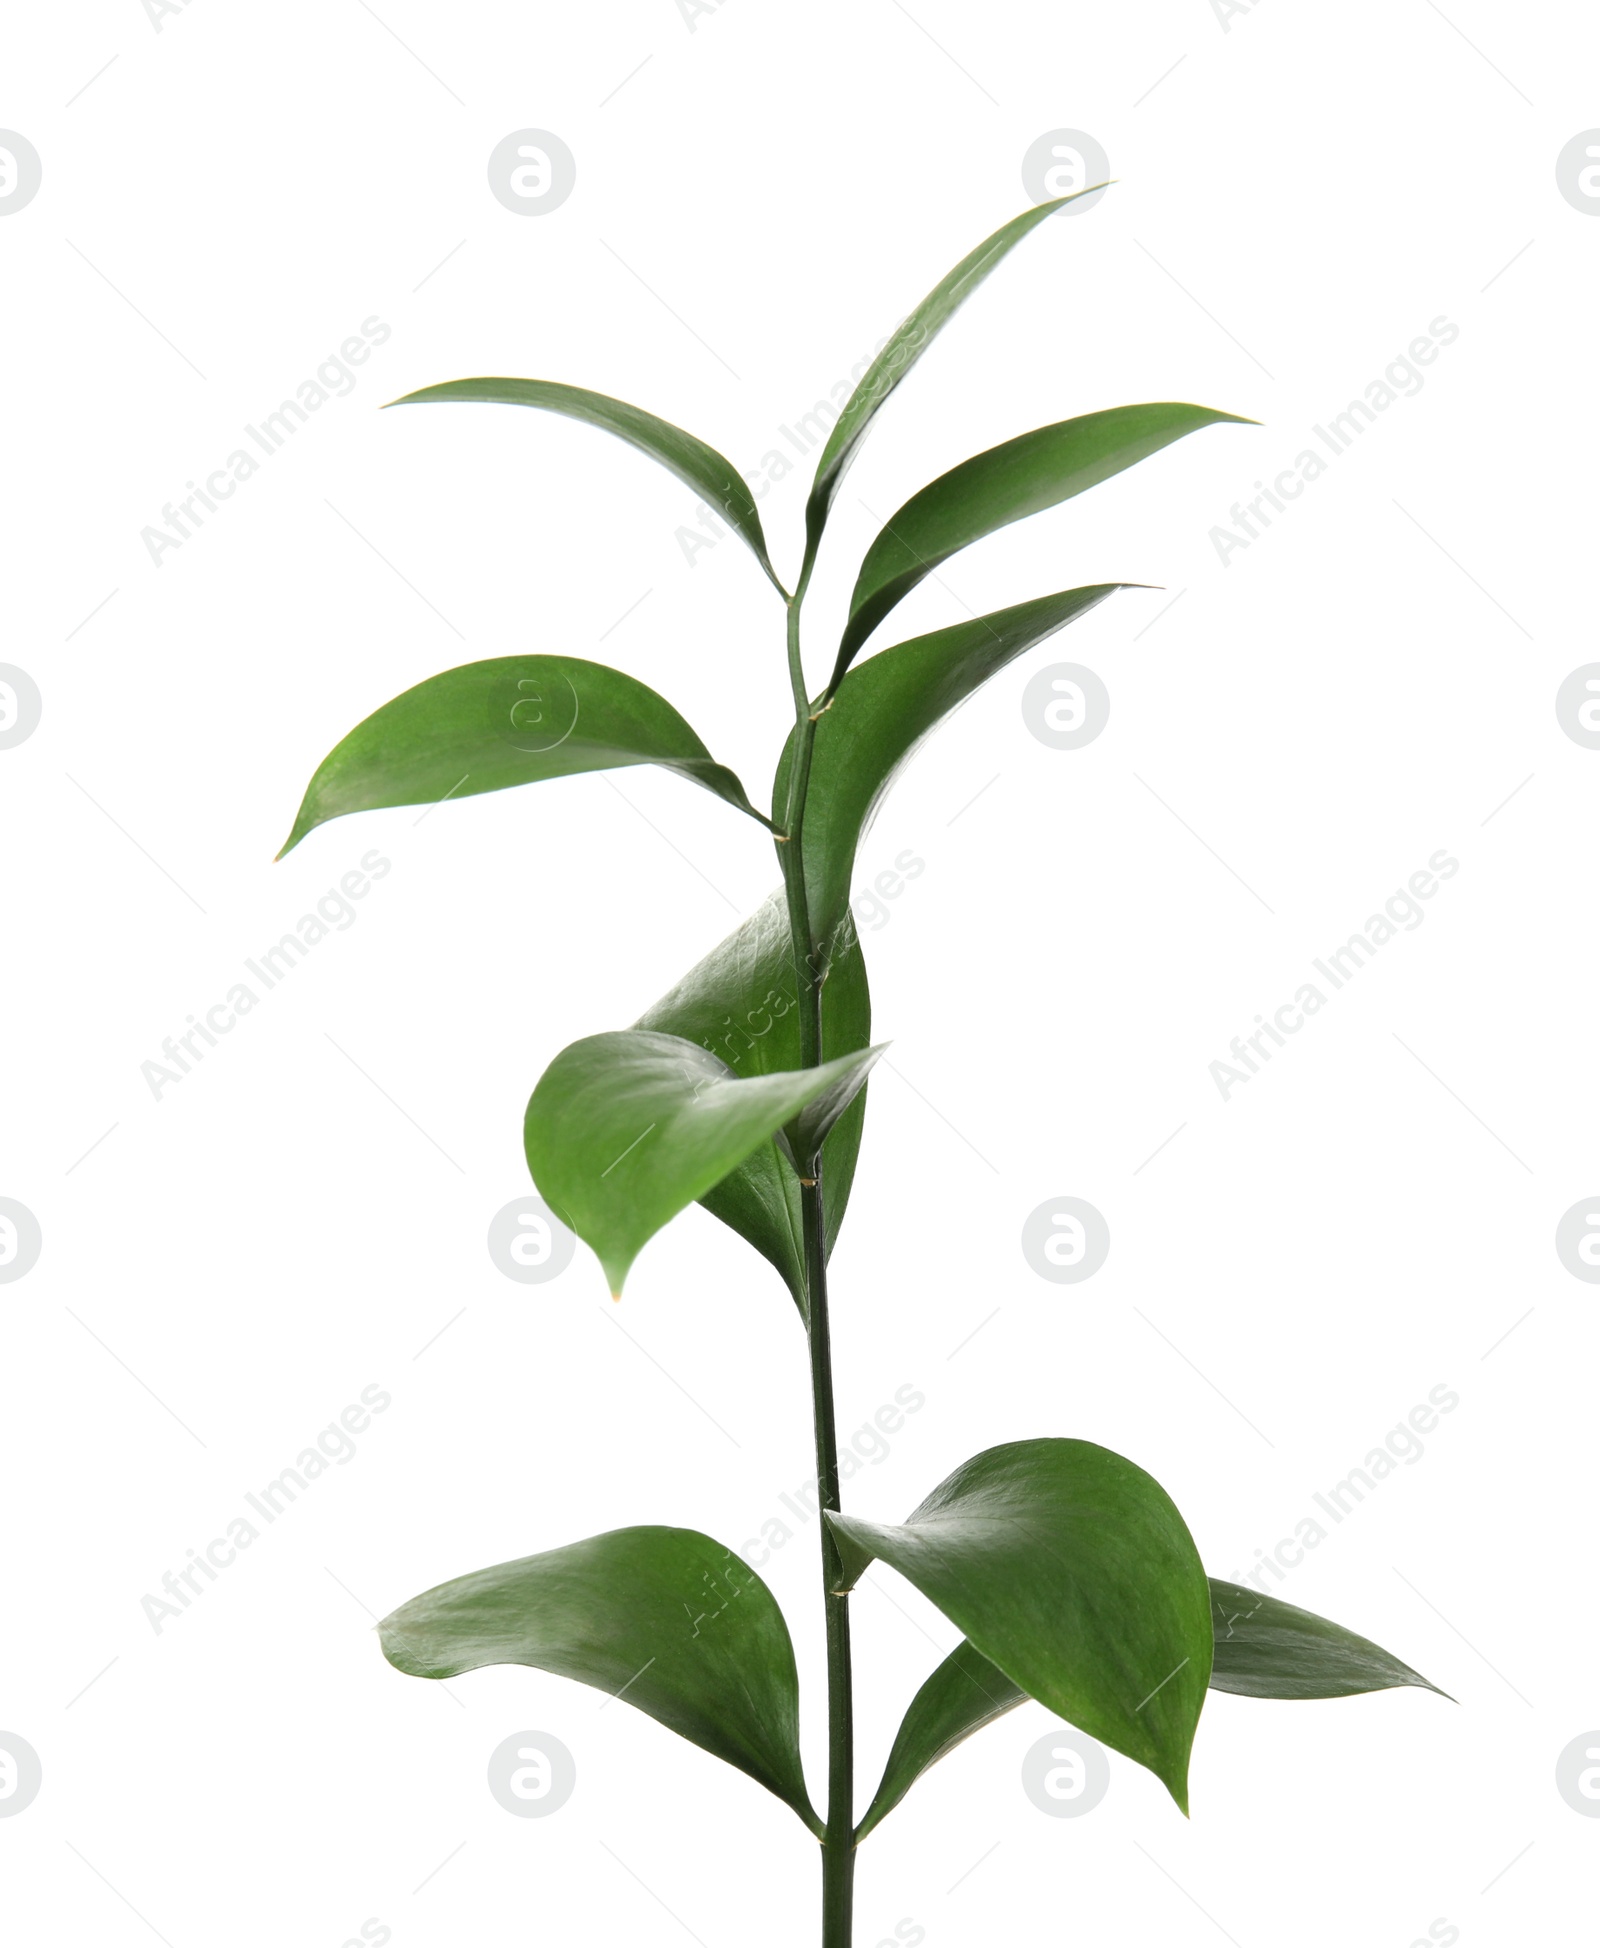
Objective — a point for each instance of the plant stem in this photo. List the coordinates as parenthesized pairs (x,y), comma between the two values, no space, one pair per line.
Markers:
(838,1845)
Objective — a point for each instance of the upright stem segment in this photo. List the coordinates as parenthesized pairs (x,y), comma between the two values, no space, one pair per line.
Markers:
(838,1845)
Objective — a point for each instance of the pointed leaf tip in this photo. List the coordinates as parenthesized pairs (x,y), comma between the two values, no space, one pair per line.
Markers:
(906,344)
(1263,1649)
(611,1612)
(1266,1648)
(507,721)
(1069,1569)
(624,1130)
(736,982)
(697,465)
(1020,477)
(880,714)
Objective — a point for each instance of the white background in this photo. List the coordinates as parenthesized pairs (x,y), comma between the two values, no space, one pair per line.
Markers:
(760,196)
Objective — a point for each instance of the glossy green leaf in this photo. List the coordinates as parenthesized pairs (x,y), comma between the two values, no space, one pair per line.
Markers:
(880,714)
(963,1695)
(1263,1649)
(624,1130)
(665,1619)
(910,339)
(740,1002)
(697,465)
(514,720)
(1269,1649)
(809,1129)
(1070,1569)
(1008,482)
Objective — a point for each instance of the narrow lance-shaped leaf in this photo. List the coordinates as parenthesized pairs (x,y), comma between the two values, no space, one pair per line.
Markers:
(880,714)
(1071,1571)
(1269,1649)
(514,720)
(742,1003)
(910,339)
(626,1129)
(699,466)
(665,1619)
(964,1694)
(1263,1649)
(1008,482)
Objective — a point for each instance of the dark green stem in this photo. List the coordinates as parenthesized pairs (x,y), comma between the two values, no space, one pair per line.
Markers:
(838,1845)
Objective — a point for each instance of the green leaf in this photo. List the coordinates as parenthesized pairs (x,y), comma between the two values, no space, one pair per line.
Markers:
(1263,1649)
(963,1695)
(624,1130)
(880,714)
(514,720)
(1008,482)
(809,1130)
(910,339)
(1069,1569)
(741,1003)
(1269,1649)
(666,1619)
(699,466)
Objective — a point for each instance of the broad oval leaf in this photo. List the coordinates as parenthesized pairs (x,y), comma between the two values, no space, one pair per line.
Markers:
(882,711)
(1070,1570)
(699,466)
(1269,1649)
(741,1003)
(666,1619)
(624,1130)
(909,340)
(1263,1649)
(1020,477)
(513,720)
